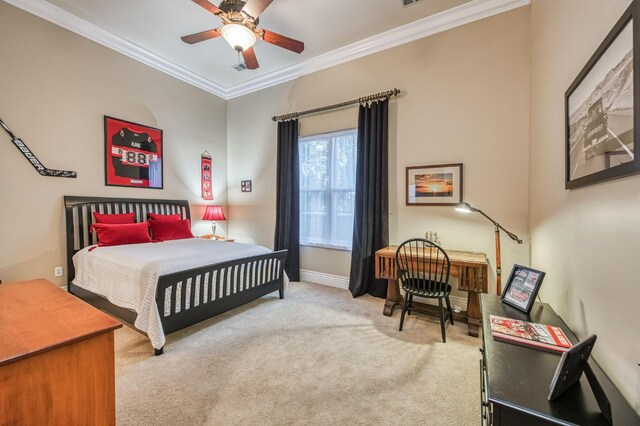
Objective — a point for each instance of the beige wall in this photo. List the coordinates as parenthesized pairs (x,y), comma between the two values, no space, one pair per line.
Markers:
(466,99)
(55,87)
(585,239)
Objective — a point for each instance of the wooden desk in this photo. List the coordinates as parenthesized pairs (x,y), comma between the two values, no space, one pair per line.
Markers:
(56,357)
(470,269)
(515,379)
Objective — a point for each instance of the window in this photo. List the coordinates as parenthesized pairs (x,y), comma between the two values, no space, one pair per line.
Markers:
(327,189)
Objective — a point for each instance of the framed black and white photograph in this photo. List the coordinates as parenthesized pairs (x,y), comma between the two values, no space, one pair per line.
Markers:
(522,288)
(602,120)
(438,185)
(245,186)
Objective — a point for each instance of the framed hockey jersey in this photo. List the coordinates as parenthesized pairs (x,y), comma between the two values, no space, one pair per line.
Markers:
(133,154)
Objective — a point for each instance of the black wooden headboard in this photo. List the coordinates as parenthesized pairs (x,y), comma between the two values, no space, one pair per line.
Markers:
(79,217)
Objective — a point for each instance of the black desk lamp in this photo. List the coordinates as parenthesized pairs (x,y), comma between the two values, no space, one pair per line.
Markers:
(466,208)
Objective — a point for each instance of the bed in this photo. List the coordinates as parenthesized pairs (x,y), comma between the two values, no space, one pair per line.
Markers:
(163,287)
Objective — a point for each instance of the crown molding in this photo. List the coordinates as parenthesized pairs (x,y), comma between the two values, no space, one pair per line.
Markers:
(71,22)
(452,18)
(458,16)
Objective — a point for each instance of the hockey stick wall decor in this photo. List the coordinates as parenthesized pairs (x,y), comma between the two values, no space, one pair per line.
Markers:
(34,160)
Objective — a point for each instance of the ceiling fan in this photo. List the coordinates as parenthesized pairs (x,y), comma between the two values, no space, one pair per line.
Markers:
(240,28)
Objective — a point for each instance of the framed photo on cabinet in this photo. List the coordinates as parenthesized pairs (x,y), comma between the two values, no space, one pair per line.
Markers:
(522,288)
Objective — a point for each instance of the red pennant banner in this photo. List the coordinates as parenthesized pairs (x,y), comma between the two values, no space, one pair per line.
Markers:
(205,170)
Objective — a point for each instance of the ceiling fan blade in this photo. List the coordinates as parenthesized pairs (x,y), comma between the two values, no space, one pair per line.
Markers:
(282,41)
(206,5)
(250,59)
(201,36)
(254,8)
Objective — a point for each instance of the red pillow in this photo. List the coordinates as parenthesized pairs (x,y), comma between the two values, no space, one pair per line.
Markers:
(170,230)
(165,217)
(113,234)
(114,218)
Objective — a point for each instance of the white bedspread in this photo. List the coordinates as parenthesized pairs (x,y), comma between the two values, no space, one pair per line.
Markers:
(127,275)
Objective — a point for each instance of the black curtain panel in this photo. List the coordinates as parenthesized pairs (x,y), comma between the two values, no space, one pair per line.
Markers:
(288,198)
(371,217)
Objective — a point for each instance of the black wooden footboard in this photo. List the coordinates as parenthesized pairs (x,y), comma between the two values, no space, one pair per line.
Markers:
(188,297)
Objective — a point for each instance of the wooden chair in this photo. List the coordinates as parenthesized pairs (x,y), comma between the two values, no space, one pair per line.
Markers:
(423,270)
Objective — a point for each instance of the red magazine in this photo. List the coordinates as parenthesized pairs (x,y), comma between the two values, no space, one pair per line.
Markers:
(529,334)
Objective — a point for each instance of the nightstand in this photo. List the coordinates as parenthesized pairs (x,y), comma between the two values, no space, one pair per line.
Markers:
(218,238)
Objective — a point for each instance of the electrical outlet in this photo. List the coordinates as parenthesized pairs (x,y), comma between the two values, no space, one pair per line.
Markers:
(457,308)
(57,271)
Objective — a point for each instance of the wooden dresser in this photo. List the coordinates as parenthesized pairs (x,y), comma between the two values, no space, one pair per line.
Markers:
(56,357)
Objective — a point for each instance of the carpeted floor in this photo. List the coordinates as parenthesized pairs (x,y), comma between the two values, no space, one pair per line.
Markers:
(318,357)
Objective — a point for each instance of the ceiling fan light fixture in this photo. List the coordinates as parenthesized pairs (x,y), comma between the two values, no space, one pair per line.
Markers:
(239,37)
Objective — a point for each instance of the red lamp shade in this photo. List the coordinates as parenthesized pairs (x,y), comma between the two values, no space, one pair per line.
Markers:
(214,213)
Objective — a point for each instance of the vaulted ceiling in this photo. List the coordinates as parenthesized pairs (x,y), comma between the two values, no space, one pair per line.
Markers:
(333,31)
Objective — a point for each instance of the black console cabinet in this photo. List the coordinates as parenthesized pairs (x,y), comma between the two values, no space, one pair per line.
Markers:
(515,380)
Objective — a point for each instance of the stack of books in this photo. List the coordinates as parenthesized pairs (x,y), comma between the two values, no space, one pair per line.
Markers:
(531,334)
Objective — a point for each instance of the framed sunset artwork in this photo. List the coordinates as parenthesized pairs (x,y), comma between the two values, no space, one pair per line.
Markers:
(438,185)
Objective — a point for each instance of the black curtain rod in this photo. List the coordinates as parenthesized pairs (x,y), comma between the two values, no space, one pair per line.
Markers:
(370,98)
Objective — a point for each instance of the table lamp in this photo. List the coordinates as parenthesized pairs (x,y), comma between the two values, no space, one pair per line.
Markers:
(213,213)
(466,208)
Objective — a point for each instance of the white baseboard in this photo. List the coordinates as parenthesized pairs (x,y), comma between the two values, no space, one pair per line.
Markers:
(324,279)
(460,302)
(343,283)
